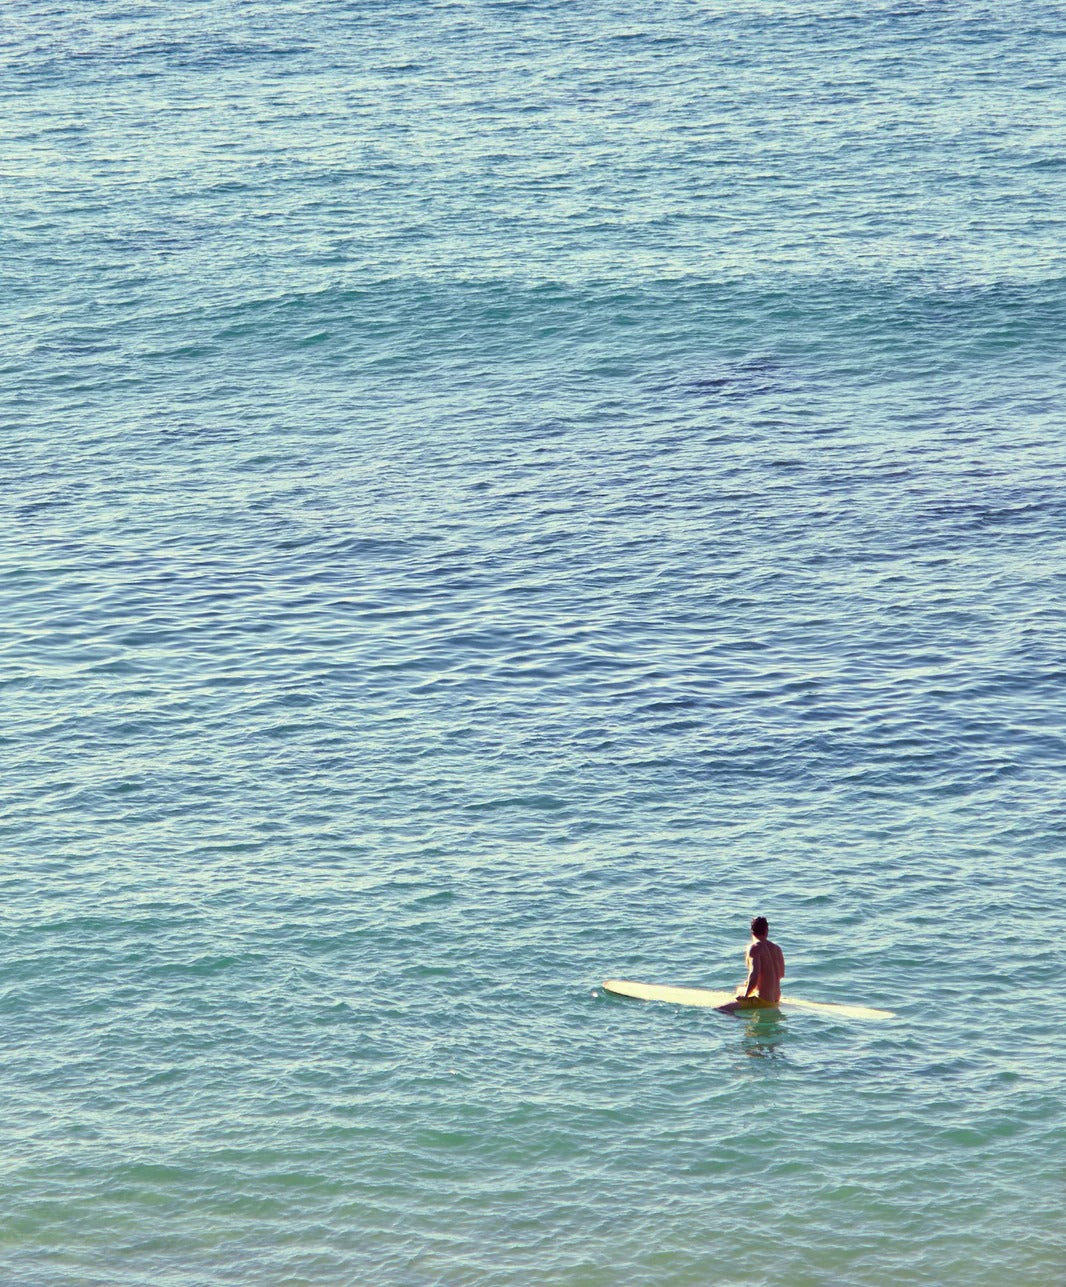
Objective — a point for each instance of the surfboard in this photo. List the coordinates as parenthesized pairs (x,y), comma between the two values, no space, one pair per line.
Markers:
(707,997)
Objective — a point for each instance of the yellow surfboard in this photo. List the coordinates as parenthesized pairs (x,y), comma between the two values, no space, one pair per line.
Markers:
(706,997)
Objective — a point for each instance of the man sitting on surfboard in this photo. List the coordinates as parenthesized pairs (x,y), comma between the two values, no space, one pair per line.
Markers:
(766,969)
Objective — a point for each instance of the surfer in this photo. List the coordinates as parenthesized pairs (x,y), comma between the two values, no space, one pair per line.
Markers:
(766,969)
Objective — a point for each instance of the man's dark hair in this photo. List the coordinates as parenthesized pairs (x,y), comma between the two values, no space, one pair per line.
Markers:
(760,927)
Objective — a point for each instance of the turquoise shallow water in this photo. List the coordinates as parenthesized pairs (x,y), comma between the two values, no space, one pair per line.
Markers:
(493,496)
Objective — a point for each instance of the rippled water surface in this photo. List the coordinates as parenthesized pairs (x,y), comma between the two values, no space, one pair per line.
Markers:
(494,495)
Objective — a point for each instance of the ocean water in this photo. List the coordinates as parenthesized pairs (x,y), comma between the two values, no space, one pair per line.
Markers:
(493,496)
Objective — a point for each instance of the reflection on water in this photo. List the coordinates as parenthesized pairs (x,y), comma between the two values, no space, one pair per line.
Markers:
(764,1034)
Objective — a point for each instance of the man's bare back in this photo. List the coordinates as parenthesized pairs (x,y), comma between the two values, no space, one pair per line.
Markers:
(766,969)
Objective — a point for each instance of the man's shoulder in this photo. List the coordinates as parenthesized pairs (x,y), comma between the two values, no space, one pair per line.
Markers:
(765,945)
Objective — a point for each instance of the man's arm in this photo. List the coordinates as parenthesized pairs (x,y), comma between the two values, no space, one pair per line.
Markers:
(754,956)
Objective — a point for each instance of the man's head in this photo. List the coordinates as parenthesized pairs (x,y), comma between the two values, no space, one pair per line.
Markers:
(759,927)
